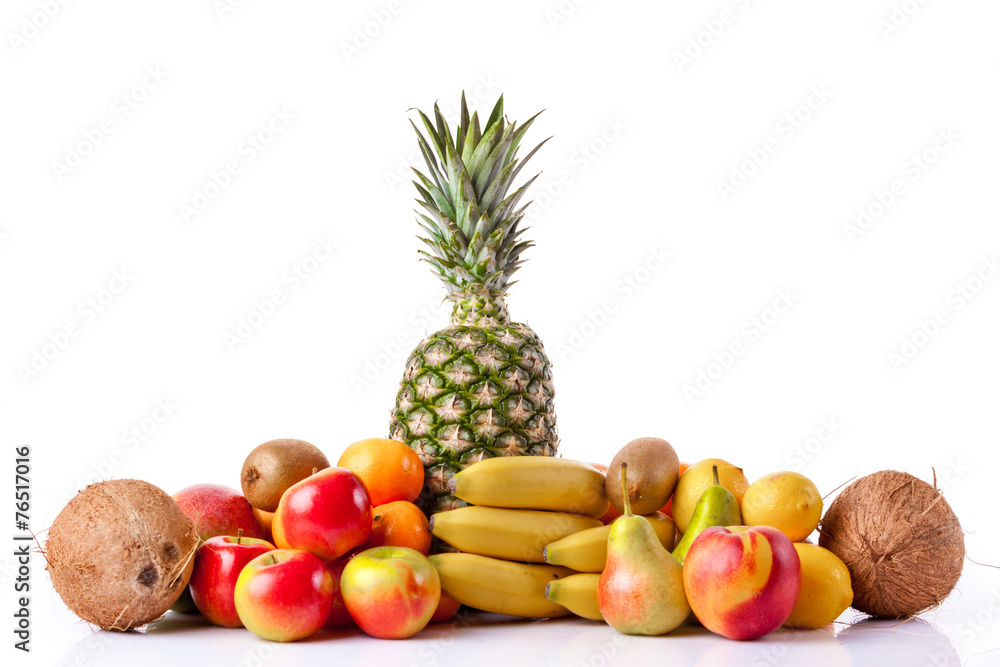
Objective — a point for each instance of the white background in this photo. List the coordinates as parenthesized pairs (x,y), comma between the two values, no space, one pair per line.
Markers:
(652,108)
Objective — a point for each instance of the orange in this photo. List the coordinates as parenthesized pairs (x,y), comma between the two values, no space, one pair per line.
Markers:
(668,509)
(612,513)
(390,470)
(400,524)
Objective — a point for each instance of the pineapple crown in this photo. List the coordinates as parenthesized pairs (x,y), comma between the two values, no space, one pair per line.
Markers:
(471,224)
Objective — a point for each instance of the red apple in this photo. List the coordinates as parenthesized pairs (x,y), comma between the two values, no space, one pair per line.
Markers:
(328,514)
(742,584)
(284,595)
(339,616)
(217,566)
(391,592)
(218,510)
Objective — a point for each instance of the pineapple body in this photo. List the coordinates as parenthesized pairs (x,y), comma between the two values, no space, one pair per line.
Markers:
(483,386)
(474,392)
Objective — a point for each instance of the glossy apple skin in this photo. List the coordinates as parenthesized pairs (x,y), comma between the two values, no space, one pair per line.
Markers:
(284,595)
(327,514)
(391,592)
(339,616)
(218,510)
(217,566)
(743,584)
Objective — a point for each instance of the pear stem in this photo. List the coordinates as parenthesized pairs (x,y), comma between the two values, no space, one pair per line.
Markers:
(625,503)
(715,474)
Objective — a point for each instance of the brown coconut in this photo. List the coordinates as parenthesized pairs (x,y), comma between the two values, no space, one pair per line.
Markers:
(900,540)
(120,553)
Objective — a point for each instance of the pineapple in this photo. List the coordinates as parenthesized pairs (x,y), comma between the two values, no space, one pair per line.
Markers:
(483,386)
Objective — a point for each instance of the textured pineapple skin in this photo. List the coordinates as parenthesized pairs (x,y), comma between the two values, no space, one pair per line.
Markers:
(474,392)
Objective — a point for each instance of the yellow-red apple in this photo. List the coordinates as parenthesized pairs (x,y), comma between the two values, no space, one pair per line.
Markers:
(391,592)
(284,595)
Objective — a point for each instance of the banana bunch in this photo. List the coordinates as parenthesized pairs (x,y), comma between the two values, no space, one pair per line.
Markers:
(519,535)
(533,482)
(587,550)
(500,586)
(578,593)
(519,506)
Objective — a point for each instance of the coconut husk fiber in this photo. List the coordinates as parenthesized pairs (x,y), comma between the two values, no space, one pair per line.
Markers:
(900,540)
(120,553)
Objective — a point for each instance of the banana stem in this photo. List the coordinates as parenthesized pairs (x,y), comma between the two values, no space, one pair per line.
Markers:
(625,503)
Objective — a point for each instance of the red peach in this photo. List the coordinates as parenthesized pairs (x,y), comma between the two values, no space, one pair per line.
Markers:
(742,585)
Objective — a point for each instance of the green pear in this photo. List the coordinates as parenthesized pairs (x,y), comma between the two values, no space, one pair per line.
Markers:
(641,591)
(716,507)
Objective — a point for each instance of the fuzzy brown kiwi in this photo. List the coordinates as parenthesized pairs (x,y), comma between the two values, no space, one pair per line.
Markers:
(653,468)
(120,553)
(274,466)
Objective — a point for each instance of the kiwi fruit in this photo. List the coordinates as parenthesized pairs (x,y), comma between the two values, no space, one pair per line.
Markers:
(653,469)
(120,553)
(276,465)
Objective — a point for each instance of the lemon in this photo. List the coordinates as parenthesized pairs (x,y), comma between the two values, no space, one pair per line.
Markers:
(787,501)
(826,588)
(699,477)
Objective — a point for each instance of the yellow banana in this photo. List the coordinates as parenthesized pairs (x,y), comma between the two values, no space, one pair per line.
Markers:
(587,550)
(578,593)
(505,533)
(533,482)
(499,586)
